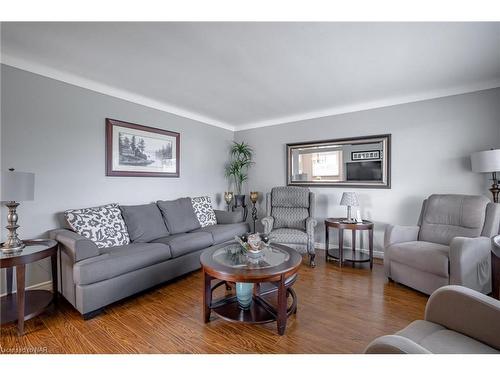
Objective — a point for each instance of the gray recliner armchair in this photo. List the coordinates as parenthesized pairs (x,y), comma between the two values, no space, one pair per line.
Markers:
(450,245)
(457,320)
(290,218)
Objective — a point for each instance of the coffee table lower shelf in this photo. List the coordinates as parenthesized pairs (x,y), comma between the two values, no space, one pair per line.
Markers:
(259,312)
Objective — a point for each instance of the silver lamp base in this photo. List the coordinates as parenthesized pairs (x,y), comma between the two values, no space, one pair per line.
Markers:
(13,243)
(349,219)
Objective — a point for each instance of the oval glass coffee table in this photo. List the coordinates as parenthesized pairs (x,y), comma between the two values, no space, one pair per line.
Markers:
(263,284)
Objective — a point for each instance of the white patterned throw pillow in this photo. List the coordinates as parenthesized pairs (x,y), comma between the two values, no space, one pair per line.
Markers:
(103,225)
(203,210)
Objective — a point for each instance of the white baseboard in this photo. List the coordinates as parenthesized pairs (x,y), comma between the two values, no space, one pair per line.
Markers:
(46,285)
(376,253)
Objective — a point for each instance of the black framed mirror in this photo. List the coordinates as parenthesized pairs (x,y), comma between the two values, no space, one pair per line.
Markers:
(362,162)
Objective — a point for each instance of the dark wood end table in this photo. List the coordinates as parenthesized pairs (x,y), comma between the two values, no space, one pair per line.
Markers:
(272,278)
(26,304)
(340,254)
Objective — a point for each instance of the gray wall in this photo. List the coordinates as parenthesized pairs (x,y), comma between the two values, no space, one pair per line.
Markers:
(57,131)
(431,144)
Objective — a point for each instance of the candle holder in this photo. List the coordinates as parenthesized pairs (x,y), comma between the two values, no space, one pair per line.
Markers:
(254,196)
(228,197)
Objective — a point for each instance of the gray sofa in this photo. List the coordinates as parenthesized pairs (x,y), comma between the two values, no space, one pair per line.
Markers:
(457,320)
(450,245)
(161,249)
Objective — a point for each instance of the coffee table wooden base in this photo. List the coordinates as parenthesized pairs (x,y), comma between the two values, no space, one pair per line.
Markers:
(261,310)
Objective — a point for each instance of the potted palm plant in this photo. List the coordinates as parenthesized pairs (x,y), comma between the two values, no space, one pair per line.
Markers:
(237,169)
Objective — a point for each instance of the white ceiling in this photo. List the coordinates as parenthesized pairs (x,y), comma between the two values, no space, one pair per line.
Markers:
(243,75)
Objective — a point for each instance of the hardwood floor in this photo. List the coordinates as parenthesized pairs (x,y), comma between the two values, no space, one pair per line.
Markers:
(339,311)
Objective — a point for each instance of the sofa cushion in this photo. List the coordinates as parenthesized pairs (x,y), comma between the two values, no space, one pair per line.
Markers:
(224,232)
(144,222)
(203,210)
(115,261)
(183,243)
(230,217)
(447,216)
(179,215)
(439,340)
(103,225)
(424,256)
(288,235)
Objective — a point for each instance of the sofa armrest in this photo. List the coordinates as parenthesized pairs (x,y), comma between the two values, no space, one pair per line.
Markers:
(400,233)
(75,246)
(470,263)
(228,217)
(394,344)
(466,311)
(268,223)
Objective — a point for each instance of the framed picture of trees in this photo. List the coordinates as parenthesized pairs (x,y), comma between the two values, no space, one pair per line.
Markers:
(141,151)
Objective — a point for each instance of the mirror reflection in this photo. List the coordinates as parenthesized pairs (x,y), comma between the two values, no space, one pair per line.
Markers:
(361,162)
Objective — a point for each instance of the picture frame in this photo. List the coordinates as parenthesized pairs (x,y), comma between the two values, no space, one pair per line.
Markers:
(134,150)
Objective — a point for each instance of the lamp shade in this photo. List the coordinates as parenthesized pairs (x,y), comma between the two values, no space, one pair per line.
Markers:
(485,161)
(349,199)
(17,186)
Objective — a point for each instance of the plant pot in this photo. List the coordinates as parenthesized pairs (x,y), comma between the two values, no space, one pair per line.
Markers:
(239,201)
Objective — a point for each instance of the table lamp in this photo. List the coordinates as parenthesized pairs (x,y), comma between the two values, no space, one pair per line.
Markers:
(16,187)
(488,162)
(349,199)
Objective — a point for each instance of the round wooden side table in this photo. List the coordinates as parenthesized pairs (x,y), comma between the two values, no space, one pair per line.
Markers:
(26,304)
(340,254)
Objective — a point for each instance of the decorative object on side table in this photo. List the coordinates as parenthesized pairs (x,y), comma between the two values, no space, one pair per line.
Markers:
(488,162)
(340,254)
(254,196)
(16,187)
(237,171)
(26,304)
(228,197)
(349,199)
(141,151)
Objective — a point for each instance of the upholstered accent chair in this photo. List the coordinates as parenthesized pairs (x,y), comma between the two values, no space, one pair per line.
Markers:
(457,320)
(290,218)
(450,245)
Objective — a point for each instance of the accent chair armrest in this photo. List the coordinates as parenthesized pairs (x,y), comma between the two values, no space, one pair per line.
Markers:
(268,223)
(394,344)
(310,224)
(466,311)
(470,263)
(400,233)
(75,246)
(229,217)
